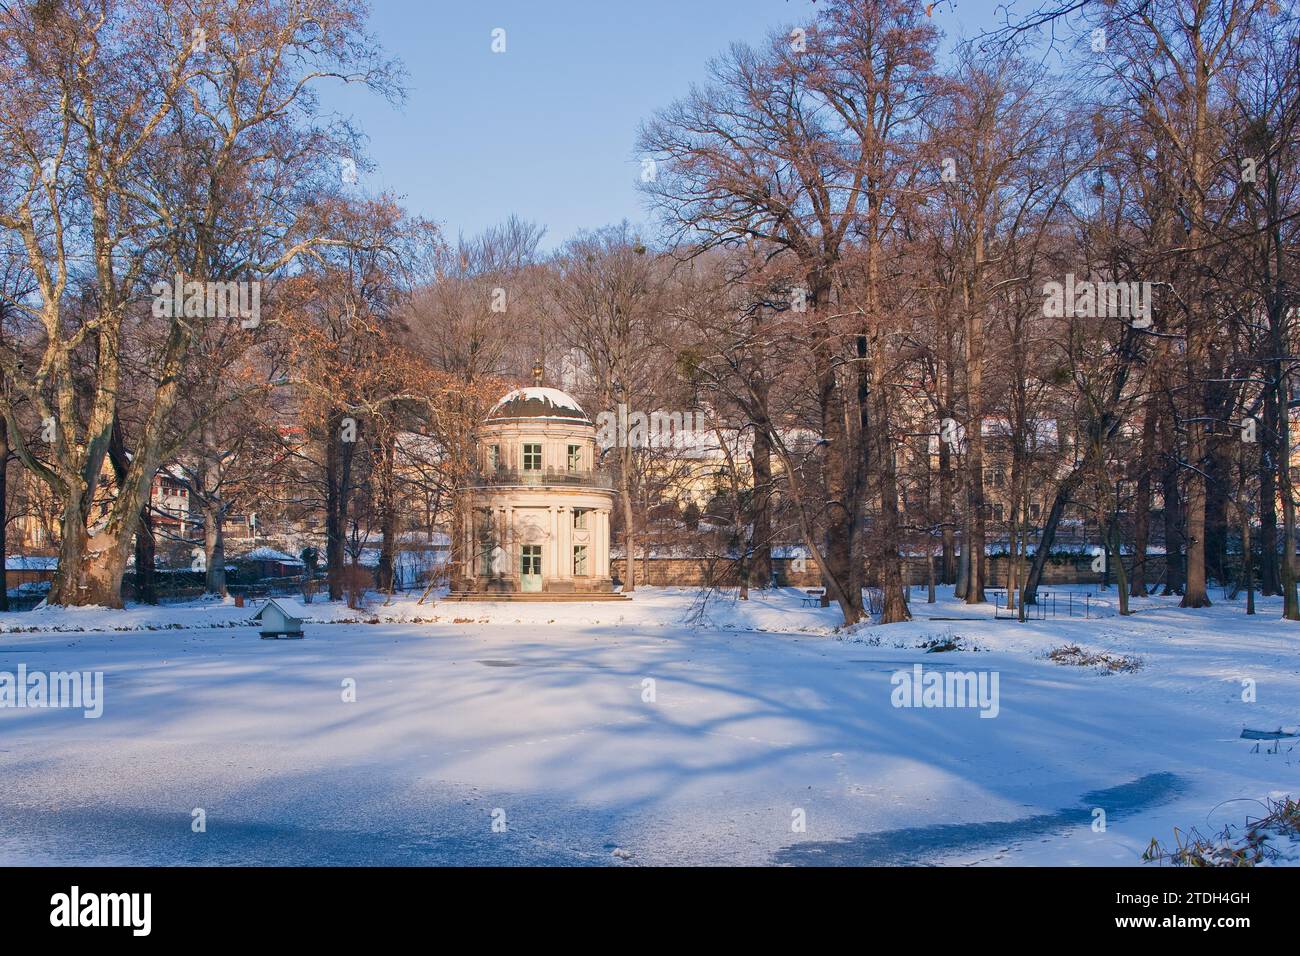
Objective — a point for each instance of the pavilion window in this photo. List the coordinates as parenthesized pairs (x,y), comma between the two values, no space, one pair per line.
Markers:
(575,457)
(532,457)
(580,560)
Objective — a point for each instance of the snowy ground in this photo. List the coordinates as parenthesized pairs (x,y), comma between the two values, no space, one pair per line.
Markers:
(536,716)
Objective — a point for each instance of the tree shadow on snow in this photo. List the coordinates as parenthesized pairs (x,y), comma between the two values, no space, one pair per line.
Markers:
(918,845)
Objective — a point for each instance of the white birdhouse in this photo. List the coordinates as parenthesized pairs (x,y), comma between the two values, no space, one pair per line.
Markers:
(277,622)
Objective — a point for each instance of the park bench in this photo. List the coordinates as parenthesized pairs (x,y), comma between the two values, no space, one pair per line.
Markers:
(1277,736)
(812,597)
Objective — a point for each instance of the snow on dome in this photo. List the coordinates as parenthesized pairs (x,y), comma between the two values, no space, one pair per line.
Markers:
(537,401)
(265,553)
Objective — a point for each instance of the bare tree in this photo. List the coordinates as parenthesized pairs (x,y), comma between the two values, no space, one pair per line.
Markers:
(98,99)
(607,288)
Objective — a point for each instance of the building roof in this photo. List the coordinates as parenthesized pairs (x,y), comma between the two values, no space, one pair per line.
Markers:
(283,611)
(537,401)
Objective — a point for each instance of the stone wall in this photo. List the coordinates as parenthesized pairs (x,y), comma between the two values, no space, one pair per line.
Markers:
(695,572)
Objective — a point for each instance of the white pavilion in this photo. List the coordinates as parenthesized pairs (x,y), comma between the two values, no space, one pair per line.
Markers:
(536,516)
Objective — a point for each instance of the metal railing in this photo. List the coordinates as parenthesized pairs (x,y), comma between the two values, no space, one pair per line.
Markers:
(1044,605)
(540,477)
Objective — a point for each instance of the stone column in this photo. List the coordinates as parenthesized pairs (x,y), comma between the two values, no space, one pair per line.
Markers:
(601,533)
(509,545)
(564,517)
(607,541)
(470,570)
(553,542)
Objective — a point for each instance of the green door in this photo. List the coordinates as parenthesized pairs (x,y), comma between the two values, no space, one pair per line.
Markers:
(530,568)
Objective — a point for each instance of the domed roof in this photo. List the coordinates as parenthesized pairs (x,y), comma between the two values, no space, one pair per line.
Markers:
(538,402)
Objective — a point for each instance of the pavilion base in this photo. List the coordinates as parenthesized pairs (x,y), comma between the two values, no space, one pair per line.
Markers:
(537,597)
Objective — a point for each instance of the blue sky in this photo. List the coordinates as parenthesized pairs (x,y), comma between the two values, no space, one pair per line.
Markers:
(547,129)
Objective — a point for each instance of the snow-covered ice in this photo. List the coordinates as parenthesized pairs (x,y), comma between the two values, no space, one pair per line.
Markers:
(540,719)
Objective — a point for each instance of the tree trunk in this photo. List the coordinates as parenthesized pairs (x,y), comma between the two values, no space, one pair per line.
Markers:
(1115,556)
(975,463)
(386,481)
(102,570)
(760,572)
(1216,511)
(1142,504)
(879,445)
(4,519)
(338,492)
(975,547)
(929,578)
(947,474)
(91,566)
(214,549)
(72,548)
(629,528)
(963,562)
(1195,593)
(1270,581)
(1064,492)
(1013,555)
(146,590)
(208,491)
(146,586)
(948,568)
(1290,599)
(851,609)
(1247,560)
(840,469)
(1170,491)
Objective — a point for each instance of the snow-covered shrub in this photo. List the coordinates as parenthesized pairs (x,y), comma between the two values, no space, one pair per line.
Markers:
(1107,663)
(1275,836)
